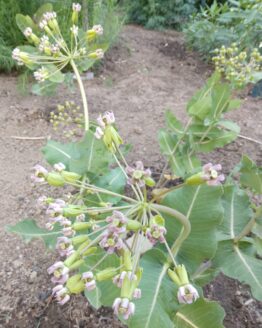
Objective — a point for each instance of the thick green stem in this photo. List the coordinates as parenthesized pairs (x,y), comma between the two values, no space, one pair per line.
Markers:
(247,229)
(182,219)
(83,94)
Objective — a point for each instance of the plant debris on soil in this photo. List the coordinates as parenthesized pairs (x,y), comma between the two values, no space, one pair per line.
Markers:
(144,74)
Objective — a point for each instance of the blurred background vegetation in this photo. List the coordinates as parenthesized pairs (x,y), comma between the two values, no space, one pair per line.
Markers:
(206,24)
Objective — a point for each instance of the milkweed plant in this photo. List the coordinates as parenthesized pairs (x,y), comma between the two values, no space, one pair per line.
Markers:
(143,246)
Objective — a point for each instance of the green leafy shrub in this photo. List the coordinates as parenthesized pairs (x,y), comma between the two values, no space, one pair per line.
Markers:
(224,24)
(157,14)
(238,67)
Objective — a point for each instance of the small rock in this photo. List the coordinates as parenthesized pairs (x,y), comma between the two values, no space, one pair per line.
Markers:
(138,130)
(32,277)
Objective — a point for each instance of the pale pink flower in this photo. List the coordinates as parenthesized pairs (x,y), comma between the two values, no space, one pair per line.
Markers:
(111,242)
(28,32)
(68,232)
(59,271)
(98,29)
(74,30)
(138,174)
(76,7)
(64,246)
(99,133)
(41,74)
(156,233)
(119,279)
(49,16)
(39,174)
(61,294)
(89,280)
(99,53)
(187,294)
(211,175)
(43,24)
(59,167)
(80,218)
(122,306)
(137,293)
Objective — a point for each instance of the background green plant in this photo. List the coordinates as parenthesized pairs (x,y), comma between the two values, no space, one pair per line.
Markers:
(103,12)
(223,24)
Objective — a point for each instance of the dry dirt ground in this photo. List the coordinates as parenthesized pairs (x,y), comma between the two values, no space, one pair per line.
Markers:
(144,74)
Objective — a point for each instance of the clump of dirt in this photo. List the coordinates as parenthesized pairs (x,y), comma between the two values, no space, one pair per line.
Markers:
(139,80)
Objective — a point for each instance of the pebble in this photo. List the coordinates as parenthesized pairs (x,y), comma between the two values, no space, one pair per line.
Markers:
(32,277)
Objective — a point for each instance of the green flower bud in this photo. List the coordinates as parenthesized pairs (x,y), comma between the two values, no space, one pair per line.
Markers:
(195,179)
(127,260)
(89,251)
(150,182)
(78,226)
(75,284)
(55,179)
(72,259)
(73,210)
(77,264)
(79,240)
(111,138)
(106,274)
(70,176)
(133,225)
(179,275)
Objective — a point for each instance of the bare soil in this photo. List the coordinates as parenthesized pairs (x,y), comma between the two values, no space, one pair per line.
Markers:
(144,74)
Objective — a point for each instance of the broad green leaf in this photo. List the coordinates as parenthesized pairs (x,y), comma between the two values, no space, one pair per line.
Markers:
(45,88)
(229,125)
(201,314)
(237,212)
(93,156)
(179,158)
(94,297)
(115,181)
(29,230)
(251,175)
(89,155)
(208,138)
(23,22)
(238,260)
(106,291)
(55,152)
(158,303)
(54,74)
(200,103)
(202,206)
(47,7)
(173,124)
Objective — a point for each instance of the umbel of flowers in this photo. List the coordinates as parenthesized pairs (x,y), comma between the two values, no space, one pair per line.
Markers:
(50,52)
(112,229)
(97,224)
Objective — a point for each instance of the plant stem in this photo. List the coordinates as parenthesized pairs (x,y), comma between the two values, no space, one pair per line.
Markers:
(247,229)
(182,219)
(83,94)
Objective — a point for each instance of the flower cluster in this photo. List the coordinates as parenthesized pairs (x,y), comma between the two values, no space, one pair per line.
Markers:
(107,131)
(139,175)
(238,66)
(52,48)
(211,174)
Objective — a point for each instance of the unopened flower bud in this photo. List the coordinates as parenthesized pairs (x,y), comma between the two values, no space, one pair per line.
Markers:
(106,274)
(70,176)
(55,179)
(75,284)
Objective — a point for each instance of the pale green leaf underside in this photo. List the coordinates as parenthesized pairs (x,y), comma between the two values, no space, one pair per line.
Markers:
(202,206)
(201,314)
(237,260)
(29,230)
(158,303)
